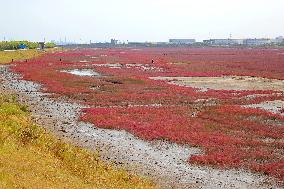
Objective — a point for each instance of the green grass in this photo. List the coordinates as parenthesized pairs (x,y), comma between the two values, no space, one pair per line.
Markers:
(30,157)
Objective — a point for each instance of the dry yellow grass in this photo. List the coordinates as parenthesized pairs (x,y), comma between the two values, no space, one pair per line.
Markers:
(7,56)
(32,158)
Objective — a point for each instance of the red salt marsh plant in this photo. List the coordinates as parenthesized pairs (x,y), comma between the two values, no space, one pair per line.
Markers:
(229,138)
(125,98)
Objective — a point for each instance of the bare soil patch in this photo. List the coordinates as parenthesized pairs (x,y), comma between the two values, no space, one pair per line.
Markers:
(227,83)
(276,106)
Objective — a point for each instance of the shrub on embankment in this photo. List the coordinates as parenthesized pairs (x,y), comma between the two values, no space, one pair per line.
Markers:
(14,45)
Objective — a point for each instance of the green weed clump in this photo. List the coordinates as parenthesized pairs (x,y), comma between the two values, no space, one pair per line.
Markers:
(14,45)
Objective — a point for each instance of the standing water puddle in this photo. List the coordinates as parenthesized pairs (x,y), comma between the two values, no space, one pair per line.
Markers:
(84,72)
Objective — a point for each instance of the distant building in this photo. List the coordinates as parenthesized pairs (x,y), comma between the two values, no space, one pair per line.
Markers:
(224,42)
(279,40)
(182,41)
(257,42)
(162,43)
(247,42)
(114,41)
(63,43)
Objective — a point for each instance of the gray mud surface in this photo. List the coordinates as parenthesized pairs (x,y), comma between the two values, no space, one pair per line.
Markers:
(275,106)
(226,83)
(164,162)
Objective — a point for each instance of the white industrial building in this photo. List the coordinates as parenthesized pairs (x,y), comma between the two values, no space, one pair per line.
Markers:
(246,42)
(182,41)
(224,42)
(279,40)
(257,42)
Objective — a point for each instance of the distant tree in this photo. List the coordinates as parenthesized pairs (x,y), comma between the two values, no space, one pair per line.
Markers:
(14,45)
(50,45)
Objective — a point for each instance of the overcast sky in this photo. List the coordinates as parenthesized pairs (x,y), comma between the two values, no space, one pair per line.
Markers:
(139,20)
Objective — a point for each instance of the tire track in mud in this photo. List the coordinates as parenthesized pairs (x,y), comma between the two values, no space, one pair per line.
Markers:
(164,162)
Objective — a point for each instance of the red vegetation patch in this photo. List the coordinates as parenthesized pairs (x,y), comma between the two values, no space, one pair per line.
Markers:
(229,138)
(125,98)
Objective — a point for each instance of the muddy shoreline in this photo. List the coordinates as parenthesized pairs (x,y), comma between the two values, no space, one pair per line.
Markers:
(165,162)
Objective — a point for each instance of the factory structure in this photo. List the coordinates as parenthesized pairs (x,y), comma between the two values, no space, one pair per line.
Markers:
(184,42)
(229,42)
(220,42)
(244,42)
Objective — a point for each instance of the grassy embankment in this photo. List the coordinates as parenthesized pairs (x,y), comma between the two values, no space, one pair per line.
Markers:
(30,157)
(7,56)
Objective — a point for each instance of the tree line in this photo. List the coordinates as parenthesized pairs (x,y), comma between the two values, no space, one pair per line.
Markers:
(14,45)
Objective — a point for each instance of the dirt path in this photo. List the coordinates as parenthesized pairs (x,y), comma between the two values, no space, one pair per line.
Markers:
(164,162)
